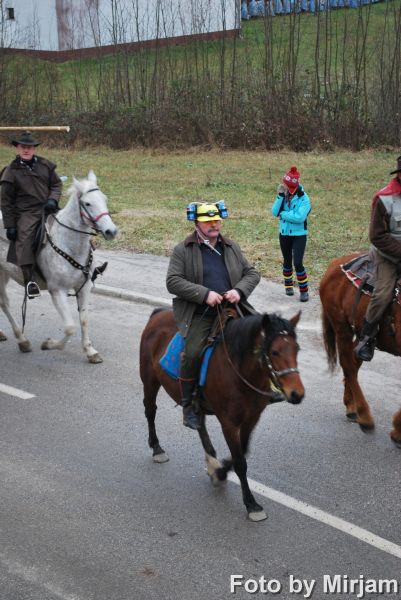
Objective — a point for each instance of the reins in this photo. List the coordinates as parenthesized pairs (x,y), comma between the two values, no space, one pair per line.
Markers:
(275,375)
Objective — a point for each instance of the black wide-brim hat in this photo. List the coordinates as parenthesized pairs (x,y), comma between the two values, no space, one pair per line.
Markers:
(398,169)
(26,139)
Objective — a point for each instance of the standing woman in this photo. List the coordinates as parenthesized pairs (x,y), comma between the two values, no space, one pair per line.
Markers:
(292,206)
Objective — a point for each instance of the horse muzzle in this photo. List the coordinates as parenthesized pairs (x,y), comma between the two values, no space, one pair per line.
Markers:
(110,233)
(295,397)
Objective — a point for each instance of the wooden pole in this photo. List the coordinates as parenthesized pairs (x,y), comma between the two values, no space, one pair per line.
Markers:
(65,128)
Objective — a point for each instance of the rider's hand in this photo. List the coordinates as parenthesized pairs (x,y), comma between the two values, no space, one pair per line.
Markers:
(51,206)
(11,234)
(213,298)
(232,296)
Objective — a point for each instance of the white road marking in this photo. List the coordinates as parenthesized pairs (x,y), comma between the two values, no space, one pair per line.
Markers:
(12,391)
(320,515)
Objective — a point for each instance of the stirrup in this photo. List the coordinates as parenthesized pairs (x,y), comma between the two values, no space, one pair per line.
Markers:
(99,271)
(32,290)
(190,418)
(365,349)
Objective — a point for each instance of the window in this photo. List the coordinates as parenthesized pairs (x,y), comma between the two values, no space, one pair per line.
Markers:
(10,14)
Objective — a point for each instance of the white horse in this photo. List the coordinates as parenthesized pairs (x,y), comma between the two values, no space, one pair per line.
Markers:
(65,261)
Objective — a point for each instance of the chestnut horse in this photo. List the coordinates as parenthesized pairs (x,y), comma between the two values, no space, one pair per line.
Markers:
(252,352)
(339,311)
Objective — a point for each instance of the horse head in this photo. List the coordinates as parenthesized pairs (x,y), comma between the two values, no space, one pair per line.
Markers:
(279,349)
(93,205)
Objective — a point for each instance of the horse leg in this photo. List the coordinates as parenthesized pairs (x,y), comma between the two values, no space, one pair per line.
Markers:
(150,388)
(23,343)
(357,409)
(83,303)
(233,438)
(245,434)
(396,431)
(212,463)
(60,301)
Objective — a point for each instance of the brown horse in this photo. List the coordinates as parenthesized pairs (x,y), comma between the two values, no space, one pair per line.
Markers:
(339,311)
(252,352)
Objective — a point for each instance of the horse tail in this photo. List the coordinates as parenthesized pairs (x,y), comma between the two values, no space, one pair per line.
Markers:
(329,339)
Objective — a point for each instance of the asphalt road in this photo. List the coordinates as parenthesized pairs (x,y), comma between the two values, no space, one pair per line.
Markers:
(85,514)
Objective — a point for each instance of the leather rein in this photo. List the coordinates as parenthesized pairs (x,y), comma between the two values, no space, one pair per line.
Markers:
(274,374)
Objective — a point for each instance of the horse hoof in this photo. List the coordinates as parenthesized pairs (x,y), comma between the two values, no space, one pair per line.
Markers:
(3,337)
(256,516)
(47,344)
(95,359)
(161,458)
(352,417)
(25,346)
(367,428)
(396,438)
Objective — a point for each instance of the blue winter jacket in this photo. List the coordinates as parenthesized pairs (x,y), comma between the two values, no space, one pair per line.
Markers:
(293,217)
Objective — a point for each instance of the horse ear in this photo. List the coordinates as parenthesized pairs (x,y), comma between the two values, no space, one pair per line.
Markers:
(92,177)
(265,321)
(294,320)
(77,185)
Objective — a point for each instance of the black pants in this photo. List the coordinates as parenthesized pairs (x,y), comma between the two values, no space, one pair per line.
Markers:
(293,249)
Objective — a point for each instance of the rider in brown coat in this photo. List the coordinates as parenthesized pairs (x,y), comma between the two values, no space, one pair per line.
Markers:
(30,188)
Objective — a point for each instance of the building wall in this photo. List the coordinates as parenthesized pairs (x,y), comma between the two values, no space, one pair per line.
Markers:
(72,24)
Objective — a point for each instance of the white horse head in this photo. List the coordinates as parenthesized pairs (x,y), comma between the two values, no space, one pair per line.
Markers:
(92,205)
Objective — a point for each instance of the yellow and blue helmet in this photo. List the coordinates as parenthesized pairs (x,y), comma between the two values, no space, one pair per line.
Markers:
(207,211)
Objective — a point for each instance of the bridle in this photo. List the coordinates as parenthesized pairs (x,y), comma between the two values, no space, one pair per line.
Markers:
(274,374)
(85,214)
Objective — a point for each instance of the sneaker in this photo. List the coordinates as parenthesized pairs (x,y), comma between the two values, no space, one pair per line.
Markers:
(289,291)
(32,289)
(304,297)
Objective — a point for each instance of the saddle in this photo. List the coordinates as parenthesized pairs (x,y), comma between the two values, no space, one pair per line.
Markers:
(170,361)
(360,271)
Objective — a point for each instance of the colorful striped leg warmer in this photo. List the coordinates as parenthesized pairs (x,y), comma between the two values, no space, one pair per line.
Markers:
(302,279)
(288,281)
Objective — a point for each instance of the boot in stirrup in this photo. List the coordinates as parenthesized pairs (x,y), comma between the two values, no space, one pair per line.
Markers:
(190,418)
(365,348)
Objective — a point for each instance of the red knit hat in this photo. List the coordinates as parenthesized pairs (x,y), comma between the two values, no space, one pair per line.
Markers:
(291,179)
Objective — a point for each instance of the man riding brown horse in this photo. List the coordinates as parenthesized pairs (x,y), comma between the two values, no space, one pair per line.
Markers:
(385,235)
(204,269)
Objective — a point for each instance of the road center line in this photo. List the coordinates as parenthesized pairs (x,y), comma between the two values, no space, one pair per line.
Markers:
(320,515)
(12,391)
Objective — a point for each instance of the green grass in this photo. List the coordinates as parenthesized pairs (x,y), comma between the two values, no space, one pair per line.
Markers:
(148,192)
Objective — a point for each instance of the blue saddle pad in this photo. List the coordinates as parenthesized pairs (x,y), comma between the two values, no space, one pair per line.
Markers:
(170,362)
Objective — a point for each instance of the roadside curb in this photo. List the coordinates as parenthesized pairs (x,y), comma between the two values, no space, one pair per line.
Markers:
(123,294)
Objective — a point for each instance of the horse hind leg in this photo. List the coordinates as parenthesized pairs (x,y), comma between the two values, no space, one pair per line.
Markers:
(23,343)
(357,408)
(395,434)
(150,389)
(213,465)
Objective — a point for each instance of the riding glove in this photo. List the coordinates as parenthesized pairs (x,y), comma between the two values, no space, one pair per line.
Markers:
(11,234)
(51,206)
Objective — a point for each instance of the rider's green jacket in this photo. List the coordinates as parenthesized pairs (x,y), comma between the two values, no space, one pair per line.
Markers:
(185,275)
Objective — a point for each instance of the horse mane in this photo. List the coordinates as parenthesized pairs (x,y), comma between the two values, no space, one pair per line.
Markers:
(240,334)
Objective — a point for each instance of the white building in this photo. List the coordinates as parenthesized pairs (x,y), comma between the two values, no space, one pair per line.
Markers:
(65,25)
